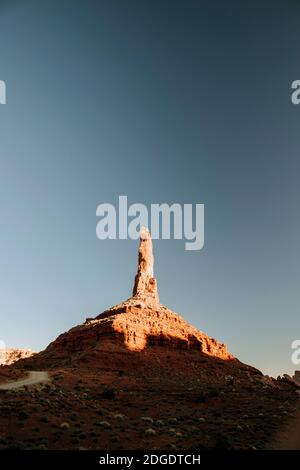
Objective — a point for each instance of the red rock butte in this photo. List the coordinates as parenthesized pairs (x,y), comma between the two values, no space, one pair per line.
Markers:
(139,322)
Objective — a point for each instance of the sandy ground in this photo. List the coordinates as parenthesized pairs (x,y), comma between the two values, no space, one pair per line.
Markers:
(288,438)
(34,377)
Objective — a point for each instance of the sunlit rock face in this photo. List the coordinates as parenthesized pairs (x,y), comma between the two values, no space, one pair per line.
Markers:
(9,356)
(145,286)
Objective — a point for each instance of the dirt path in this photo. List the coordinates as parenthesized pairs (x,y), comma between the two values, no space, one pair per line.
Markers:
(288,438)
(34,377)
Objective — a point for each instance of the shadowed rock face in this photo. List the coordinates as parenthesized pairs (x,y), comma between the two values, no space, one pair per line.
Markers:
(297,376)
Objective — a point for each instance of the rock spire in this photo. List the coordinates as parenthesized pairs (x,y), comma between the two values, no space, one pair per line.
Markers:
(145,286)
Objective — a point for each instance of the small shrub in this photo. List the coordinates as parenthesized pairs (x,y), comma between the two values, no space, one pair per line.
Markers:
(23,415)
(109,393)
(222,442)
(201,398)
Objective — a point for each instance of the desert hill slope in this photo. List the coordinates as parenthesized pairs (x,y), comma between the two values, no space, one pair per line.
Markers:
(138,376)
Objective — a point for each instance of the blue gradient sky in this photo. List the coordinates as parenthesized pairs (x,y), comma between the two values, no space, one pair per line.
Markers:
(163,101)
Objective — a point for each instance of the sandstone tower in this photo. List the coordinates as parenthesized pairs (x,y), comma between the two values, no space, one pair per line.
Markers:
(145,286)
(138,323)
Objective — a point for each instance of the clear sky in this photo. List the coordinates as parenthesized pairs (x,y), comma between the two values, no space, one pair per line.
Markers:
(162,101)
